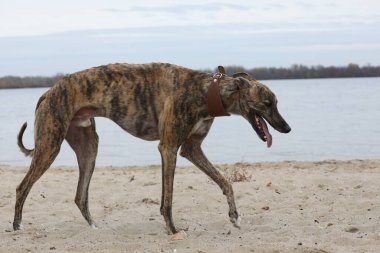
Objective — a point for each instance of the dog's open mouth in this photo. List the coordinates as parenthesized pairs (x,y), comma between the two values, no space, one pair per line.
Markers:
(261,128)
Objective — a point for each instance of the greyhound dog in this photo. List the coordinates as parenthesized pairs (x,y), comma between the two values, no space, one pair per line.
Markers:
(154,101)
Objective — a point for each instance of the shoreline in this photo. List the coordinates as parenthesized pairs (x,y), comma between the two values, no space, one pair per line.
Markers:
(243,163)
(289,206)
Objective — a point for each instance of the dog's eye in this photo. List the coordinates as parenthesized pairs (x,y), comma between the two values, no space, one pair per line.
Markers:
(267,102)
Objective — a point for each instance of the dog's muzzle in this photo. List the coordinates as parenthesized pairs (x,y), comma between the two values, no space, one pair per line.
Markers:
(261,127)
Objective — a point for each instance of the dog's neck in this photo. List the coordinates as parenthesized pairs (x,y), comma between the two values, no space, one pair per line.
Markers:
(230,95)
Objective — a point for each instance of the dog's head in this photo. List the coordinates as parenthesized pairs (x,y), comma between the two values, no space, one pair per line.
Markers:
(258,104)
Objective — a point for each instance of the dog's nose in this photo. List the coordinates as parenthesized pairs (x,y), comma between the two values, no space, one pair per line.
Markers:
(287,129)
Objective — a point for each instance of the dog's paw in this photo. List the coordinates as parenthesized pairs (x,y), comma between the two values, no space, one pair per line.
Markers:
(18,227)
(236,221)
(181,235)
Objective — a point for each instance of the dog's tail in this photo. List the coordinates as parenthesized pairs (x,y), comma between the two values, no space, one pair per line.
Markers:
(27,152)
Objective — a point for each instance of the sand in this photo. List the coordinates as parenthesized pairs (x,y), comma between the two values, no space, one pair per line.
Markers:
(326,206)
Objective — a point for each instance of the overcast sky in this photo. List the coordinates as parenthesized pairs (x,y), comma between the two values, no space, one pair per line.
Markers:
(44,37)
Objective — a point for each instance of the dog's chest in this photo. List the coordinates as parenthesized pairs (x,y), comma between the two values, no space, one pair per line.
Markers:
(141,128)
(201,127)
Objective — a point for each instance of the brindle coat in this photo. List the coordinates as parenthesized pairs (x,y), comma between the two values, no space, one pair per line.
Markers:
(151,101)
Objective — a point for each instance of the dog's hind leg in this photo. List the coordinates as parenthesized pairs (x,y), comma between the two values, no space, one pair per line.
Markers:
(191,149)
(43,157)
(84,142)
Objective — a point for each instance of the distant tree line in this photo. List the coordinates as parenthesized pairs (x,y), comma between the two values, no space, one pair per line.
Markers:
(29,81)
(302,71)
(262,73)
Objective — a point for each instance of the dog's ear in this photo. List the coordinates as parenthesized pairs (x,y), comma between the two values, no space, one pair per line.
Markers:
(242,83)
(244,75)
(239,84)
(221,70)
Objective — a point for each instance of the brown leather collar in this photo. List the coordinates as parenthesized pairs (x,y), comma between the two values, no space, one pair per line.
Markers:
(215,106)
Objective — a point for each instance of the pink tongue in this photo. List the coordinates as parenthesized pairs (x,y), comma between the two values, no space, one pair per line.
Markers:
(266,132)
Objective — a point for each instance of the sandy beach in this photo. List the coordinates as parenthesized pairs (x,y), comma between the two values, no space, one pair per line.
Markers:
(326,206)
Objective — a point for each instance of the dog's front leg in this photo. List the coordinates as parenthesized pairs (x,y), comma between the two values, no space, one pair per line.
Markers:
(169,157)
(170,130)
(191,150)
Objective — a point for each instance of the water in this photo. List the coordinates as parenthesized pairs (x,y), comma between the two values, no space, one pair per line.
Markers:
(330,119)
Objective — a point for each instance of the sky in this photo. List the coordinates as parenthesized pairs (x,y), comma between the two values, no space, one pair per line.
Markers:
(44,37)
